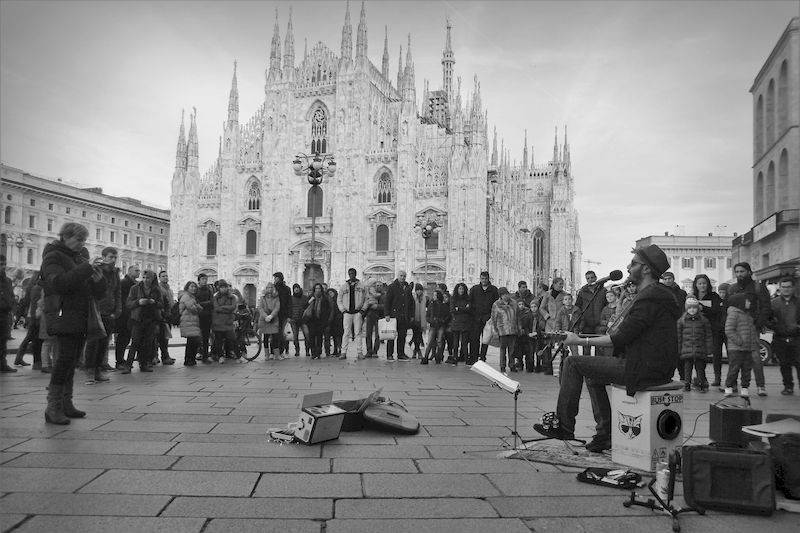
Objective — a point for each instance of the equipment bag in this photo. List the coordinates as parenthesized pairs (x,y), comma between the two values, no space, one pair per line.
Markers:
(785,452)
(727,478)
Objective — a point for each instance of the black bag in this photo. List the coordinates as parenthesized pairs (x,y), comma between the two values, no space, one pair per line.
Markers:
(785,452)
(175,314)
(726,478)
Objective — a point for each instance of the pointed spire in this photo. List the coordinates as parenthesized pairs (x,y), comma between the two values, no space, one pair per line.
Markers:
(219,153)
(555,147)
(288,46)
(192,148)
(525,154)
(361,37)
(347,36)
(494,148)
(410,82)
(305,48)
(275,51)
(385,61)
(233,100)
(448,60)
(400,71)
(180,152)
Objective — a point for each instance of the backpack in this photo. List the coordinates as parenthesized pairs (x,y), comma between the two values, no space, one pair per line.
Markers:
(175,314)
(785,450)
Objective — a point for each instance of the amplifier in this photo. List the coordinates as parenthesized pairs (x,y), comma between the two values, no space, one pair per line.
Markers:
(727,419)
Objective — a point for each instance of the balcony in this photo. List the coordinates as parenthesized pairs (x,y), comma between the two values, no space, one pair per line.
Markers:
(380,256)
(302,225)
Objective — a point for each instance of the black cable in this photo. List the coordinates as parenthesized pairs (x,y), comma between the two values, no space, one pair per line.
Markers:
(705,413)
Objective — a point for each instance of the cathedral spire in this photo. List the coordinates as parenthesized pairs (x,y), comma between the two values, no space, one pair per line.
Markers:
(288,47)
(361,37)
(219,152)
(566,146)
(411,91)
(275,51)
(347,36)
(525,154)
(448,60)
(305,48)
(494,148)
(192,148)
(555,147)
(385,61)
(233,100)
(180,152)
(400,71)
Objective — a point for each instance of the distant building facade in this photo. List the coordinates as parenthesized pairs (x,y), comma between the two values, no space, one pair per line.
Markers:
(772,245)
(690,255)
(34,208)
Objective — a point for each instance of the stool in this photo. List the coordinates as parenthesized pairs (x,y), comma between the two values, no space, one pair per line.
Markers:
(645,428)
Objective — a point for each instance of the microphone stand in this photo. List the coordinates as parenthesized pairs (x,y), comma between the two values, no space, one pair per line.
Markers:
(588,305)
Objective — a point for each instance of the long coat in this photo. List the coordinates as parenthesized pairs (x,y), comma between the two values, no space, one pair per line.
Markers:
(269,305)
(318,315)
(190,316)
(461,310)
(224,309)
(695,336)
(549,309)
(399,303)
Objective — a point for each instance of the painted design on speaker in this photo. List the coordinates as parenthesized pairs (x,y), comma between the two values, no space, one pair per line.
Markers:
(630,426)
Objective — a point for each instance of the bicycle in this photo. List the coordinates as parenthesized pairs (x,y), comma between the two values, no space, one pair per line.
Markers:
(248,342)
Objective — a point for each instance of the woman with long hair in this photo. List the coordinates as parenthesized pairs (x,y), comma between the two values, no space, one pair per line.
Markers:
(461,323)
(190,322)
(70,284)
(711,307)
(438,317)
(269,325)
(316,318)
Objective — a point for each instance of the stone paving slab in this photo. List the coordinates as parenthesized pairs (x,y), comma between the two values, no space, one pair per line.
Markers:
(173,482)
(306,465)
(54,479)
(309,486)
(163,427)
(190,417)
(5,457)
(524,484)
(690,522)
(357,465)
(263,449)
(480,466)
(367,451)
(7,521)
(414,508)
(48,503)
(226,525)
(316,508)
(473,525)
(103,461)
(219,438)
(104,524)
(115,435)
(576,506)
(93,446)
(427,485)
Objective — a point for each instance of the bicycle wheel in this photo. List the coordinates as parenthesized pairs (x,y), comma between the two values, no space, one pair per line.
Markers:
(251,345)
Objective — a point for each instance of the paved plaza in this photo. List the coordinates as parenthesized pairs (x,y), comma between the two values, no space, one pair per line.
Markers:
(184,450)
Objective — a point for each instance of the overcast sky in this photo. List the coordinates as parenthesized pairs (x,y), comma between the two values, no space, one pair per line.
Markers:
(655,94)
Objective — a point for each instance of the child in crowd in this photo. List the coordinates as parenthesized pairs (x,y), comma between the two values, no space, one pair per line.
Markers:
(742,336)
(607,316)
(696,342)
(438,317)
(504,320)
(526,324)
(565,320)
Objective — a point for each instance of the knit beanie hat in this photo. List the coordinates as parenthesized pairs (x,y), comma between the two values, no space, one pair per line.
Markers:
(692,302)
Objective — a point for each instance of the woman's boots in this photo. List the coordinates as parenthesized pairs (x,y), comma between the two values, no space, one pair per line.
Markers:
(54,414)
(68,407)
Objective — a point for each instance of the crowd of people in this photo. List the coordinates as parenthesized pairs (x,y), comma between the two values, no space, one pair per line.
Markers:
(75,305)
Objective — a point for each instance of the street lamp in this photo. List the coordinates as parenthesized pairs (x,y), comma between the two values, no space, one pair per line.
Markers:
(315,169)
(427,230)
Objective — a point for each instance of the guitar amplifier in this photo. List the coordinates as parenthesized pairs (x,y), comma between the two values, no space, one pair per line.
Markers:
(727,419)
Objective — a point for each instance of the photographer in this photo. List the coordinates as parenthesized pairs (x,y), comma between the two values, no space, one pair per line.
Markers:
(146,304)
(109,306)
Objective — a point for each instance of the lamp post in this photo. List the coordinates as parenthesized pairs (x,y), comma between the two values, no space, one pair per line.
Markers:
(491,177)
(315,169)
(427,230)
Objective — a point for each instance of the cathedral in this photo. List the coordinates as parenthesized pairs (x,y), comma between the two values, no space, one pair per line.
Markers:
(420,185)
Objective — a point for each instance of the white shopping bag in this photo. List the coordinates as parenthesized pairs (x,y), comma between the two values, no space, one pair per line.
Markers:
(387,330)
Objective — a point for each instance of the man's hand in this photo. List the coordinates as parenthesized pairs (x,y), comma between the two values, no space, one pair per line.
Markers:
(144,301)
(572,338)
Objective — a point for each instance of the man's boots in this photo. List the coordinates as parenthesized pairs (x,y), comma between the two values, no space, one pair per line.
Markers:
(54,414)
(98,375)
(4,366)
(68,407)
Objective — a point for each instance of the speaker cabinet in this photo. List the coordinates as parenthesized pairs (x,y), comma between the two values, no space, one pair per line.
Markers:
(727,419)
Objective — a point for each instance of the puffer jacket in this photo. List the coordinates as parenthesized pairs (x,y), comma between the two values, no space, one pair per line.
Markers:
(606,316)
(111,302)
(695,336)
(504,317)
(269,305)
(740,330)
(759,296)
(461,310)
(68,288)
(190,315)
(299,304)
(438,314)
(224,309)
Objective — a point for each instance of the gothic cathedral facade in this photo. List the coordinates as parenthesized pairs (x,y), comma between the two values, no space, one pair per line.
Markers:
(402,165)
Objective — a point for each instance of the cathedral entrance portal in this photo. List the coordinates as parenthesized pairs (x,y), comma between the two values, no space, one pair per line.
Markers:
(311,275)
(249,294)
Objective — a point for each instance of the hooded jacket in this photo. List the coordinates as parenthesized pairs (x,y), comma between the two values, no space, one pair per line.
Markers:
(648,339)
(68,288)
(694,336)
(299,304)
(740,329)
(760,308)
(462,313)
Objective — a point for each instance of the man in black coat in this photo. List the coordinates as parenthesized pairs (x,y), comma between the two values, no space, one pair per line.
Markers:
(398,304)
(6,306)
(645,353)
(204,296)
(481,298)
(109,305)
(668,279)
(123,326)
(285,311)
(590,301)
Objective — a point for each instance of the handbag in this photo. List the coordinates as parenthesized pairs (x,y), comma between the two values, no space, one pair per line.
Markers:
(94,323)
(489,335)
(288,332)
(387,330)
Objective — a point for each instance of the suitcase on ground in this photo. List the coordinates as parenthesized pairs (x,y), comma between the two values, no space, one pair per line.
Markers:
(728,478)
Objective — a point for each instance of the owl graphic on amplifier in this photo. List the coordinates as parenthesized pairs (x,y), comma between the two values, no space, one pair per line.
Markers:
(630,426)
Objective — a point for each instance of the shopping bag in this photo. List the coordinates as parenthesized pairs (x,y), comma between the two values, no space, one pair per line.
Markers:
(489,335)
(288,332)
(387,330)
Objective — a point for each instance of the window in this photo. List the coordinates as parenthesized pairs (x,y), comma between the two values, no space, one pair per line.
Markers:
(113,220)
(33,202)
(161,231)
(687,262)
(382,238)
(783,98)
(211,243)
(83,213)
(99,216)
(432,242)
(769,191)
(7,215)
(138,225)
(30,256)
(49,224)
(729,263)
(764,260)
(68,210)
(50,207)
(250,245)
(759,197)
(254,197)
(98,234)
(160,246)
(112,236)
(149,244)
(783,181)
(125,238)
(710,262)
(385,189)
(138,241)
(314,202)
(150,229)
(126,223)
(31,221)
(319,131)
(538,249)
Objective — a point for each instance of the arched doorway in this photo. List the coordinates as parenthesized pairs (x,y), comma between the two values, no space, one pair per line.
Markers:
(311,275)
(249,294)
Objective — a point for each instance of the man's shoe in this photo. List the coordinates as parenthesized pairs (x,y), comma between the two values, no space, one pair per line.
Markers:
(744,392)
(21,362)
(7,369)
(145,369)
(728,391)
(120,366)
(554,433)
(787,391)
(98,376)
(687,387)
(762,391)
(423,361)
(343,356)
(598,446)
(403,357)
(105,367)
(390,358)
(125,369)
(168,361)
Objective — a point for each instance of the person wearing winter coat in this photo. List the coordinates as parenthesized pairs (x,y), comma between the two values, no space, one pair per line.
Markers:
(269,323)
(70,283)
(285,296)
(317,317)
(786,324)
(760,310)
(109,305)
(335,327)
(49,342)
(461,323)
(222,322)
(552,301)
(504,321)
(607,316)
(398,304)
(190,322)
(351,303)
(696,342)
(565,320)
(205,297)
(299,304)
(591,300)
(438,317)
(523,348)
(481,299)
(742,335)
(372,313)
(419,320)
(6,307)
(32,322)
(146,304)
(711,307)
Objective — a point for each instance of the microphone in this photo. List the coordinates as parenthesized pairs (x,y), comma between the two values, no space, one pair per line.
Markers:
(615,275)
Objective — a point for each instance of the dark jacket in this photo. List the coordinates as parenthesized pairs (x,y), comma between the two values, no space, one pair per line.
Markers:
(482,300)
(680,294)
(529,322)
(299,304)
(6,306)
(526,297)
(319,316)
(335,317)
(591,316)
(438,314)
(205,297)
(124,289)
(462,314)
(740,331)
(224,310)
(648,339)
(149,312)
(285,296)
(695,336)
(399,303)
(110,303)
(68,288)
(786,320)
(761,309)
(715,314)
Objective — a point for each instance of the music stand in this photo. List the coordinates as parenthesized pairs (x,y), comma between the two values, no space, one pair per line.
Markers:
(507,384)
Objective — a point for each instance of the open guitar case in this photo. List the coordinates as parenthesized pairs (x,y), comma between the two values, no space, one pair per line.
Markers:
(377,413)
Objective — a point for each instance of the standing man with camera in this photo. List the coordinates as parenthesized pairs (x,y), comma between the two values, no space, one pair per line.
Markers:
(165,333)
(109,305)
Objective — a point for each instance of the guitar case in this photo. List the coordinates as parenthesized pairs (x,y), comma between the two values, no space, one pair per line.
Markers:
(386,415)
